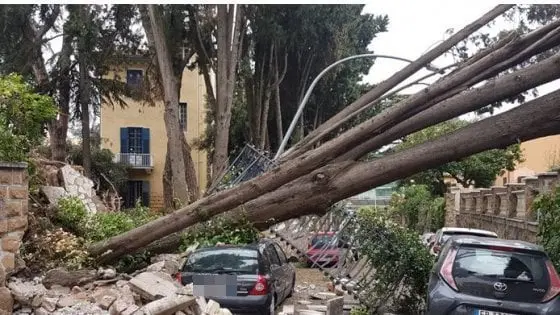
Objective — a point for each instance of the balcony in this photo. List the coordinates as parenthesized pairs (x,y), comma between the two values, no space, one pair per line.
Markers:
(136,160)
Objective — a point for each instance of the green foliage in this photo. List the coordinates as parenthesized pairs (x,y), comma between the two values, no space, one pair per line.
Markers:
(480,169)
(220,230)
(23,115)
(401,262)
(548,208)
(359,311)
(72,215)
(418,209)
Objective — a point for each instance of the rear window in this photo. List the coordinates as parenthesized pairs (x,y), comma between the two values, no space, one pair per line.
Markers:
(476,270)
(321,241)
(448,235)
(226,260)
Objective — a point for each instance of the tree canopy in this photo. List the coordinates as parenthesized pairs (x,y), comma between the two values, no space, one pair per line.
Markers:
(479,170)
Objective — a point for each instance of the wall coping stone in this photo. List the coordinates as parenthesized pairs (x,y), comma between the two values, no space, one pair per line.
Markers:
(13,165)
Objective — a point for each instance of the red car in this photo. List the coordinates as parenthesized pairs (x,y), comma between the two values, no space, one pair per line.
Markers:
(323,249)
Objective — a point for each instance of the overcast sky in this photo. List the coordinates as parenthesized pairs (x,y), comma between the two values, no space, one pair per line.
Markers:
(416,26)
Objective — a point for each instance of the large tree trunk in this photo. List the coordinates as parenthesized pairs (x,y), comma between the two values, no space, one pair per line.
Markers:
(85,95)
(321,188)
(228,41)
(59,127)
(171,112)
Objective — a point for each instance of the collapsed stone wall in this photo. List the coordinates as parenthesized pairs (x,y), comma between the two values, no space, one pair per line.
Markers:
(506,210)
(13,223)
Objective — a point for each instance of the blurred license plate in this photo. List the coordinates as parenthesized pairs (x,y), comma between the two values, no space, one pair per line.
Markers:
(483,312)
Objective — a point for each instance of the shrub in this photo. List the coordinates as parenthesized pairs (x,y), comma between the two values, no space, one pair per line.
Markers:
(72,215)
(418,209)
(401,262)
(548,209)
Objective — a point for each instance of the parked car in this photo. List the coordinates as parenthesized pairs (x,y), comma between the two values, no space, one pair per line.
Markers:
(445,233)
(264,277)
(487,276)
(323,249)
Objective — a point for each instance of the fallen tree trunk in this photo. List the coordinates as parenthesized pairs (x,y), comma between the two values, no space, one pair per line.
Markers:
(315,192)
(344,115)
(334,182)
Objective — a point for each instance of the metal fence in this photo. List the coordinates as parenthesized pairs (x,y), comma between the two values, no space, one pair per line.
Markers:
(248,164)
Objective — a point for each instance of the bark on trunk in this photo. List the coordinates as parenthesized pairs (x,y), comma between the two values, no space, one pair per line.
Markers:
(228,38)
(85,95)
(59,127)
(190,172)
(337,181)
(348,112)
(171,112)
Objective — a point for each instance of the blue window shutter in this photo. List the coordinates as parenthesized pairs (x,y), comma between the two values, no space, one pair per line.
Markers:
(146,193)
(124,140)
(145,140)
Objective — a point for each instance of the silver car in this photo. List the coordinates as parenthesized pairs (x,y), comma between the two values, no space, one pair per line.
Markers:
(488,276)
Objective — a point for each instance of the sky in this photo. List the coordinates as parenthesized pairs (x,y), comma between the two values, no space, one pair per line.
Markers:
(417,26)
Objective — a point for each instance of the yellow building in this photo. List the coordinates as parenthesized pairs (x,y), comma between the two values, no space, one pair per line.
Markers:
(137,136)
(540,156)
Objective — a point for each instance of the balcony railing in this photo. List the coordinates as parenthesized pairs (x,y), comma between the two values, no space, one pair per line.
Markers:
(135,160)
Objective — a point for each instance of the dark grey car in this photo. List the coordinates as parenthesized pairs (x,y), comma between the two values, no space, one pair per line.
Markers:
(246,279)
(488,276)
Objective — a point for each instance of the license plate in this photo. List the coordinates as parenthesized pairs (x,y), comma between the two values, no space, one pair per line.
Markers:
(484,312)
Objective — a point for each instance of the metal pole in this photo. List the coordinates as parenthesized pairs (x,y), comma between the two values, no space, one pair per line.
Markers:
(310,89)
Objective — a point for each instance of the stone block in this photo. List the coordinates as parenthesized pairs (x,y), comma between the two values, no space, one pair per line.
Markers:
(17,223)
(3,226)
(8,260)
(3,192)
(19,177)
(6,300)
(11,243)
(6,176)
(11,208)
(16,192)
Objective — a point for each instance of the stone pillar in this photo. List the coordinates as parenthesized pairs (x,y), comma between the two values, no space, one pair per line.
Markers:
(547,181)
(13,222)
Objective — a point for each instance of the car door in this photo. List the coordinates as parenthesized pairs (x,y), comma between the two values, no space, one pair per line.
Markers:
(276,272)
(287,269)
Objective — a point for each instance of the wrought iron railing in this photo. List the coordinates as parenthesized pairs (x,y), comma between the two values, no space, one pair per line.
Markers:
(135,160)
(248,164)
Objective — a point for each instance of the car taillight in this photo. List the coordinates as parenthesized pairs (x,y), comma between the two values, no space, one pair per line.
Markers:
(179,277)
(446,271)
(261,287)
(554,288)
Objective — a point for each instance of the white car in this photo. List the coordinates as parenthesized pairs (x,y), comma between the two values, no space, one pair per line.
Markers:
(443,234)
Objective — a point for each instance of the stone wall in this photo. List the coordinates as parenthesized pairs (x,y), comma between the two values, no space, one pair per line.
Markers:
(13,222)
(505,210)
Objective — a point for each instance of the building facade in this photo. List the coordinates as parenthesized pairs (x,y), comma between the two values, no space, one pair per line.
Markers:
(137,136)
(540,155)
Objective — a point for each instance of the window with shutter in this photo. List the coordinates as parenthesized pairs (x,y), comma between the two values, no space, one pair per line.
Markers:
(134,78)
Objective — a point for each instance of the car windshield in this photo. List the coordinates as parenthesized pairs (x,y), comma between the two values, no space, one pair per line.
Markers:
(322,241)
(224,260)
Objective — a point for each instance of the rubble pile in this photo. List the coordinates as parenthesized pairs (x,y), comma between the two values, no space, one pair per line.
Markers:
(152,291)
(68,181)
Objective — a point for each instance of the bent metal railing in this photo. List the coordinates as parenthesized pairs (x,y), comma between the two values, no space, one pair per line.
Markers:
(353,272)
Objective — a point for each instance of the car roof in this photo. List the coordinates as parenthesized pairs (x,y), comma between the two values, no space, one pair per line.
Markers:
(487,241)
(467,230)
(252,246)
